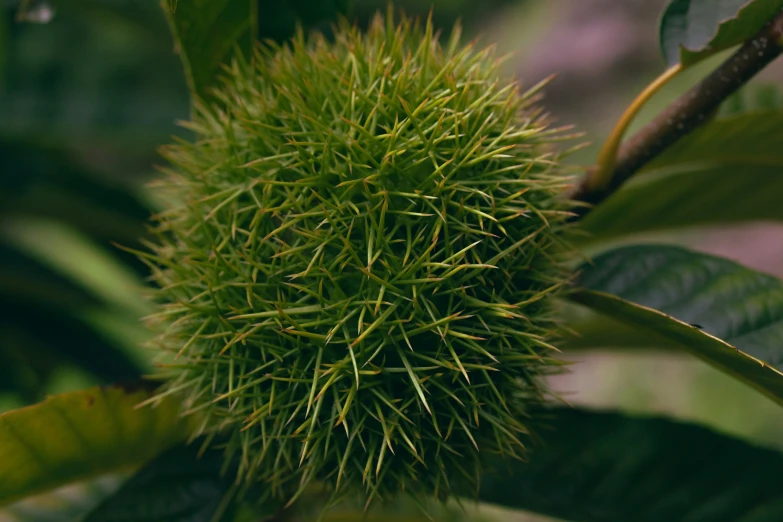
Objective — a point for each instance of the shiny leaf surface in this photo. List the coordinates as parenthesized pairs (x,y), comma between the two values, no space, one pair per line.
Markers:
(178,486)
(608,467)
(722,312)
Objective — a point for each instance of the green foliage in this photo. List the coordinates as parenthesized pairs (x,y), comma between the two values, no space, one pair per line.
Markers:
(753,98)
(55,213)
(692,30)
(607,467)
(31,293)
(735,308)
(184,485)
(444,13)
(79,435)
(278,20)
(99,75)
(209,32)
(65,504)
(358,286)
(65,251)
(48,182)
(83,101)
(178,486)
(685,336)
(3,49)
(358,265)
(697,181)
(116,103)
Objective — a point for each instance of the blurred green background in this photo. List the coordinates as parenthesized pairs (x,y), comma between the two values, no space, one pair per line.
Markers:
(90,88)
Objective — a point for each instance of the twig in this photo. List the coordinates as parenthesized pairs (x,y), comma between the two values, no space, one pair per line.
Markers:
(687,113)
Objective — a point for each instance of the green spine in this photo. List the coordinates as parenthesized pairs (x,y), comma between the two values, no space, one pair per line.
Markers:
(358,263)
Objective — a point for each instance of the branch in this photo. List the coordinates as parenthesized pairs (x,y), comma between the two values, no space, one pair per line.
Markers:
(687,113)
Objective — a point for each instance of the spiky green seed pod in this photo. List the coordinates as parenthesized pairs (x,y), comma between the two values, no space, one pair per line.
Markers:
(358,280)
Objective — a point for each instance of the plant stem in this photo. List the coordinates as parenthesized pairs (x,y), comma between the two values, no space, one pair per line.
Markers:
(687,113)
(602,174)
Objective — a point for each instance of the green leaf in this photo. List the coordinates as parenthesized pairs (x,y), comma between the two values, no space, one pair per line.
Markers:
(753,372)
(75,436)
(692,30)
(47,182)
(30,348)
(753,98)
(55,215)
(23,277)
(66,504)
(665,290)
(278,20)
(608,467)
(50,275)
(178,486)
(207,33)
(78,327)
(100,75)
(3,49)
(80,260)
(728,171)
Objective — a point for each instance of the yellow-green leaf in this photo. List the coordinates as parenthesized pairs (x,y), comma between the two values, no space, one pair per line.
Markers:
(75,436)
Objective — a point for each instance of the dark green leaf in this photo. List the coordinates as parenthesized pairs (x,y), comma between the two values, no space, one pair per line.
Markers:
(722,312)
(686,336)
(46,320)
(692,30)
(592,331)
(23,278)
(278,20)
(62,286)
(76,436)
(61,298)
(41,181)
(178,486)
(207,33)
(728,171)
(76,257)
(732,302)
(100,75)
(607,467)
(3,49)
(753,98)
(65,339)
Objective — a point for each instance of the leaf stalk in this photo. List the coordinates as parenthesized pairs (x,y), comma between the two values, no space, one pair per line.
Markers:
(683,116)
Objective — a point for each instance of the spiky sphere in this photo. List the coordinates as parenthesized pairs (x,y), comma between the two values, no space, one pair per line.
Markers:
(358,276)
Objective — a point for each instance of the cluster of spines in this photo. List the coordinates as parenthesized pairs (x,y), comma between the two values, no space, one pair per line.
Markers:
(356,281)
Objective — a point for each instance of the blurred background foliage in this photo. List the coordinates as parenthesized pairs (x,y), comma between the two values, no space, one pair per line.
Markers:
(87,97)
